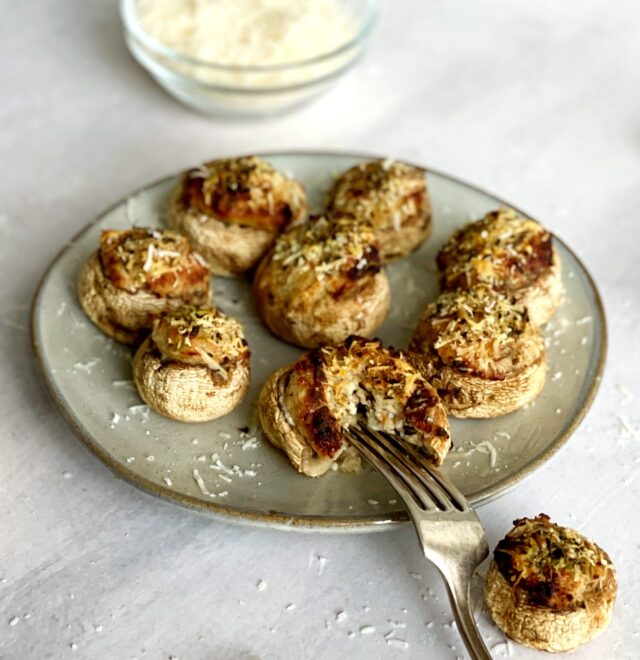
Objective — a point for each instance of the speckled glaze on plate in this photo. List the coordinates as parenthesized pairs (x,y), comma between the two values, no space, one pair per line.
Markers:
(219,469)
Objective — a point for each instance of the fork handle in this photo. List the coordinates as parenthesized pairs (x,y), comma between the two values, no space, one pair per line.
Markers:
(458,591)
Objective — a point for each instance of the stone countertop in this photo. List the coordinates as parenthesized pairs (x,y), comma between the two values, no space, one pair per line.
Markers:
(536,101)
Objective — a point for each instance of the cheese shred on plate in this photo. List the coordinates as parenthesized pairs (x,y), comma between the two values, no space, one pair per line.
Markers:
(247,32)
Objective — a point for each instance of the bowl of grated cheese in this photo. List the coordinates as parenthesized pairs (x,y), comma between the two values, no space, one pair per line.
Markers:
(246,57)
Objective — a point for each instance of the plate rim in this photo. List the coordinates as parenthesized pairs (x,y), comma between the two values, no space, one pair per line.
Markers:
(360,523)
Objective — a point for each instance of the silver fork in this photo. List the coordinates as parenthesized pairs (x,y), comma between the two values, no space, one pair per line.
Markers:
(449,531)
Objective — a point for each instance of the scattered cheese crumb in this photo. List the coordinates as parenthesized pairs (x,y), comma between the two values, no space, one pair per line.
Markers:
(367,630)
(15,621)
(261,585)
(626,392)
(395,641)
(200,481)
(628,428)
(341,616)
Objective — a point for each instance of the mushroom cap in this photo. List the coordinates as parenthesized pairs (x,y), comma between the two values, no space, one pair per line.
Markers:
(187,392)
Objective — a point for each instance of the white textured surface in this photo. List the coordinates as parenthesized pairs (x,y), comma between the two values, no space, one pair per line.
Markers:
(537,101)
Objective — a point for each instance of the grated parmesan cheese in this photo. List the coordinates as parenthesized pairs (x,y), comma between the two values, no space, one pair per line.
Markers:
(247,32)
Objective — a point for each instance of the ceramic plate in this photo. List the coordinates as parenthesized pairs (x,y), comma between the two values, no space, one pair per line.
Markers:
(225,467)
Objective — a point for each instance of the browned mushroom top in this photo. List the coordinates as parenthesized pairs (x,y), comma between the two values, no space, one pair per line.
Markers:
(553,567)
(159,262)
(383,192)
(333,387)
(245,191)
(332,254)
(194,335)
(502,249)
(480,332)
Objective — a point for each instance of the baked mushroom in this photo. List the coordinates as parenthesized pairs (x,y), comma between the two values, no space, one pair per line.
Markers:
(480,351)
(305,407)
(549,587)
(512,254)
(390,195)
(194,367)
(137,273)
(322,282)
(231,210)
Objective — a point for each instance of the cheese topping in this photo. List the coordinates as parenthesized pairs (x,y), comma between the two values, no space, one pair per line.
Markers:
(385,193)
(206,336)
(479,331)
(245,191)
(502,249)
(324,247)
(552,566)
(161,262)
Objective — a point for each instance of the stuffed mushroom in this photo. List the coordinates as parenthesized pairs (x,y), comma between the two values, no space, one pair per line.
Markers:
(306,407)
(194,367)
(481,352)
(321,282)
(549,587)
(136,274)
(232,210)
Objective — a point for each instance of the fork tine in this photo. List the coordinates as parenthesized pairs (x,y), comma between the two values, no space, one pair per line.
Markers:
(452,493)
(413,462)
(401,481)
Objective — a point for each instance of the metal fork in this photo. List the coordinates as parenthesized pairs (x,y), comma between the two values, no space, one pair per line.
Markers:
(448,529)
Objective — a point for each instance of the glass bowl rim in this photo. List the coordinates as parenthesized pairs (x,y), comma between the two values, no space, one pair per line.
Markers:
(133,27)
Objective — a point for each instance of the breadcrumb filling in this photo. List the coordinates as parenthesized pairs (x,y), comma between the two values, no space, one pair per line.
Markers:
(502,249)
(326,247)
(239,189)
(143,258)
(479,331)
(552,566)
(385,193)
(205,336)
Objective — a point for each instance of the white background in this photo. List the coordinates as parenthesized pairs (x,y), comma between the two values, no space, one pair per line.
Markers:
(538,101)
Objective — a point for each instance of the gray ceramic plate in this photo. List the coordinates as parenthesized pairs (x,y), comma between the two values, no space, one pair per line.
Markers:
(219,469)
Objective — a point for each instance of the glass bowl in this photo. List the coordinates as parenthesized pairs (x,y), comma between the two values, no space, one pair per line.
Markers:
(232,90)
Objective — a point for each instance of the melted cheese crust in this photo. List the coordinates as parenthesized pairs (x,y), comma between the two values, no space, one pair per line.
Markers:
(502,249)
(329,254)
(479,332)
(333,387)
(193,335)
(159,262)
(553,567)
(246,191)
(384,193)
